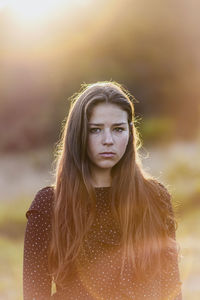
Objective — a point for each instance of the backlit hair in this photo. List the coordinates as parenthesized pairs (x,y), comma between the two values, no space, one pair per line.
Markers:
(140,203)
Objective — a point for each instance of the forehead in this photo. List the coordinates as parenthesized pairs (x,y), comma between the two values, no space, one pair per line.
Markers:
(106,112)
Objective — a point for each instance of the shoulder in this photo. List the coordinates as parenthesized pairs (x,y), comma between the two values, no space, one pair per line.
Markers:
(166,207)
(162,192)
(43,201)
(161,188)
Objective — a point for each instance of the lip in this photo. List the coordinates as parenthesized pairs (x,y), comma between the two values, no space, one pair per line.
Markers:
(107,154)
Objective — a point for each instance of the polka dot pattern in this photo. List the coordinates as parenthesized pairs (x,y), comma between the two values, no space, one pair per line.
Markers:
(36,280)
(98,264)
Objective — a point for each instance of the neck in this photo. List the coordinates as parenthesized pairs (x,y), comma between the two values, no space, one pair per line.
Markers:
(101,178)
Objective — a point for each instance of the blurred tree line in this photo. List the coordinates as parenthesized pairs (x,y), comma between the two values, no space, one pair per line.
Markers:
(149,47)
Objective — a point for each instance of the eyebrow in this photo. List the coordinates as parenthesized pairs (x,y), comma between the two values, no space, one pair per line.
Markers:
(101,124)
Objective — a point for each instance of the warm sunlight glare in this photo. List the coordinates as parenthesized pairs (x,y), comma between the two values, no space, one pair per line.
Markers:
(32,10)
(3,3)
(39,8)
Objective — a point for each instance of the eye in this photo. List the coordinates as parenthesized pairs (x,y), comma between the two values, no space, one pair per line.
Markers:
(119,129)
(94,130)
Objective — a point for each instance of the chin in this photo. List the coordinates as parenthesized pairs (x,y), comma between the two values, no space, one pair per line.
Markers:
(106,165)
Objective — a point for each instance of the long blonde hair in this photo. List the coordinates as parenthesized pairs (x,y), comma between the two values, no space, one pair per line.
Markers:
(141,204)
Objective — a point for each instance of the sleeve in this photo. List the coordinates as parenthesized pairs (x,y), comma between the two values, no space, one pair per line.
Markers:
(170,276)
(36,278)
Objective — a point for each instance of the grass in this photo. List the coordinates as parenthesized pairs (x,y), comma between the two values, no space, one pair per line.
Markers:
(188,237)
(12,228)
(11,269)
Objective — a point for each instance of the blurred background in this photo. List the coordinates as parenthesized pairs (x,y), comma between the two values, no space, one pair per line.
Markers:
(47,50)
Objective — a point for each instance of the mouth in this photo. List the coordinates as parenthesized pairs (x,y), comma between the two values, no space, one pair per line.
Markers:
(107,154)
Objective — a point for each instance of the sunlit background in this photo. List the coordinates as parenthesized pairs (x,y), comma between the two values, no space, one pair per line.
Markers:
(47,50)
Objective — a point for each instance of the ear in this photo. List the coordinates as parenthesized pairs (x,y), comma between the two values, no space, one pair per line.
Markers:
(130,127)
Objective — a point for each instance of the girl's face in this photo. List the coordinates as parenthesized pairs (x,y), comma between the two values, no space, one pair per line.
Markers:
(108,135)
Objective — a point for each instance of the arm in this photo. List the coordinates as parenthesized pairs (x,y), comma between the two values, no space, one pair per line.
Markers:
(36,279)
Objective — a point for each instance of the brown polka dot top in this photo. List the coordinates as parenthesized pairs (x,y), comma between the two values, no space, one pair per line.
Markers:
(98,265)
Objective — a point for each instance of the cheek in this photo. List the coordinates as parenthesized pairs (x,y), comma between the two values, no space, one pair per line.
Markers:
(123,143)
(91,145)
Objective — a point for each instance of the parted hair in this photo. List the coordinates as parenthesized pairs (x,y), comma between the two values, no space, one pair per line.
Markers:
(140,203)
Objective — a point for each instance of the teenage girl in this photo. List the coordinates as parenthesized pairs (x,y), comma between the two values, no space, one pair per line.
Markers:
(105,229)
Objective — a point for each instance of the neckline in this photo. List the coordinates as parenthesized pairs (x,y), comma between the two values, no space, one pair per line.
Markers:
(102,188)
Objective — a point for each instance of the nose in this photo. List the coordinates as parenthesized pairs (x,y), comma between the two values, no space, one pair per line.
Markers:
(107,138)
